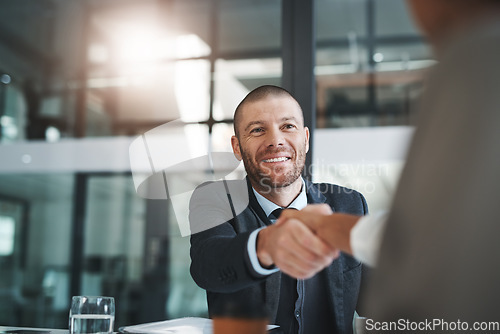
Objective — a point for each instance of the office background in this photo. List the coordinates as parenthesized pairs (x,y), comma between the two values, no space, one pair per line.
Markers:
(80,80)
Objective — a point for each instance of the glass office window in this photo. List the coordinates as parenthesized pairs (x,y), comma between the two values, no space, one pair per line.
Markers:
(103,68)
(370,64)
(185,298)
(7,234)
(221,137)
(108,68)
(141,73)
(11,257)
(386,19)
(122,67)
(13,110)
(248,26)
(234,79)
(114,253)
(35,275)
(221,142)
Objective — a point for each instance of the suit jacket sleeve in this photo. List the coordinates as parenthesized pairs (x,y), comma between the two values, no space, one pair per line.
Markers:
(219,256)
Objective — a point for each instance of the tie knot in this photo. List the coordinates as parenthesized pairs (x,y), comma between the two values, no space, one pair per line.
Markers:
(275,214)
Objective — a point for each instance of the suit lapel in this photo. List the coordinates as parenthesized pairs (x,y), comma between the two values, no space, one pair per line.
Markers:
(255,206)
(272,288)
(335,282)
(314,195)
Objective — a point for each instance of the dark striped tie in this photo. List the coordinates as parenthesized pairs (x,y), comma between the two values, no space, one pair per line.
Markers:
(275,214)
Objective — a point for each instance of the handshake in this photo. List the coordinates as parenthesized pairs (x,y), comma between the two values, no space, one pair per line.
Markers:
(302,243)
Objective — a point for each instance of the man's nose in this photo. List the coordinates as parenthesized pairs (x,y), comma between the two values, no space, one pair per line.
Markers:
(275,137)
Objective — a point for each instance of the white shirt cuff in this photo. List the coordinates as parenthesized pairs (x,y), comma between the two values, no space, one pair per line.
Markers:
(366,237)
(252,254)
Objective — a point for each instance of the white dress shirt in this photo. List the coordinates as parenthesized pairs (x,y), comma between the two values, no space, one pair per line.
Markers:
(366,237)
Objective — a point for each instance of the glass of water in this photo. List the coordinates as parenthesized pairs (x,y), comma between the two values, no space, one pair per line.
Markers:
(91,315)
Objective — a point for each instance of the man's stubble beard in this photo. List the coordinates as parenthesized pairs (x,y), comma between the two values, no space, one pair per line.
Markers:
(260,179)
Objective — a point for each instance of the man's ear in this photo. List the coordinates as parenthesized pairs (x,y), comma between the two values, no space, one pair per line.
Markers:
(236,147)
(306,129)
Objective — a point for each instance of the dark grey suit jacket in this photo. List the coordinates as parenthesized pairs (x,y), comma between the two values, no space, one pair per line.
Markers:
(219,255)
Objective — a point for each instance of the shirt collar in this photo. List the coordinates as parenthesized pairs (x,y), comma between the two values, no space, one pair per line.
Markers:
(298,203)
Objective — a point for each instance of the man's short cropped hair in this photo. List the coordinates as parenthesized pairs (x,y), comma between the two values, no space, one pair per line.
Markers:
(257,94)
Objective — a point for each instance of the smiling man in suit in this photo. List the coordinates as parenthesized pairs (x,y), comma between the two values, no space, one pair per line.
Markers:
(243,258)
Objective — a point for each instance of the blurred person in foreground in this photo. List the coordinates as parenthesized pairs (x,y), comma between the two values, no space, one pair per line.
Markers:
(245,260)
(439,253)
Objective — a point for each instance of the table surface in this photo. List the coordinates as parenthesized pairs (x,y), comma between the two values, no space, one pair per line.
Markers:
(30,330)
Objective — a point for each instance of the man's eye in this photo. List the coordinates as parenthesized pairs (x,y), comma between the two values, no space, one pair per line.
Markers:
(289,126)
(257,130)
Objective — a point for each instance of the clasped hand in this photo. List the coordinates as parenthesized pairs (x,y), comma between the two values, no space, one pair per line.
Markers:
(295,247)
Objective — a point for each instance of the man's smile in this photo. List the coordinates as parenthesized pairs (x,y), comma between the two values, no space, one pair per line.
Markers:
(276,159)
